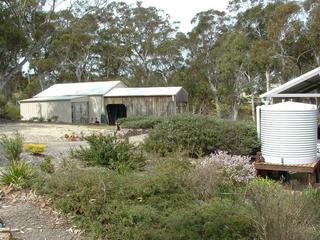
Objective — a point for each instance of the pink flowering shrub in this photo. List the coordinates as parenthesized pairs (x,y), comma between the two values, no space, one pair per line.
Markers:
(236,168)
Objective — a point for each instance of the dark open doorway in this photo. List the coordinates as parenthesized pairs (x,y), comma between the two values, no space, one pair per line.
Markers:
(116,111)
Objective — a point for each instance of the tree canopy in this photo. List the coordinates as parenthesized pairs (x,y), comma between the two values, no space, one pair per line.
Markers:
(224,62)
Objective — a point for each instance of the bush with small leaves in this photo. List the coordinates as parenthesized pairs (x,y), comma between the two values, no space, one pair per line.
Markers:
(144,122)
(202,135)
(12,146)
(237,169)
(112,152)
(47,165)
(292,216)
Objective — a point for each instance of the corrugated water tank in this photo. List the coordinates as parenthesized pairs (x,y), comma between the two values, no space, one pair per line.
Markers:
(288,133)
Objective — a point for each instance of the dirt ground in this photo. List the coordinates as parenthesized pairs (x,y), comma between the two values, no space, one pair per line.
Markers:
(20,211)
(30,217)
(53,136)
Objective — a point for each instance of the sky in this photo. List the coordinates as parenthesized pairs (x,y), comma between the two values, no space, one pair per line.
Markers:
(184,10)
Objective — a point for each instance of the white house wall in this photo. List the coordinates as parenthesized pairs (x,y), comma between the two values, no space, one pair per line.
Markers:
(46,110)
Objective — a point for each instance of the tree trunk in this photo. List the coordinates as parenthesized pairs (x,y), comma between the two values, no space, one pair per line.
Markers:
(253,110)
(235,111)
(268,80)
(217,104)
(317,60)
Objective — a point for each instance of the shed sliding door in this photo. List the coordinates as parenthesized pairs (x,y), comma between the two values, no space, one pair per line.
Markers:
(80,112)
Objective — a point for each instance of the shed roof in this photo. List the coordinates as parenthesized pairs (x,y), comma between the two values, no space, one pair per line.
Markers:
(55,98)
(140,92)
(78,89)
(302,86)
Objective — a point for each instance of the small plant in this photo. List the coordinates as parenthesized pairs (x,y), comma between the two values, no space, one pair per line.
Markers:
(237,168)
(34,119)
(47,165)
(33,148)
(111,152)
(12,146)
(16,174)
(53,119)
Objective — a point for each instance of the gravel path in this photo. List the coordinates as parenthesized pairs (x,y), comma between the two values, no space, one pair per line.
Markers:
(33,219)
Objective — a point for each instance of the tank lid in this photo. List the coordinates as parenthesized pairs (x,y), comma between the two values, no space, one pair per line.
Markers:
(290,106)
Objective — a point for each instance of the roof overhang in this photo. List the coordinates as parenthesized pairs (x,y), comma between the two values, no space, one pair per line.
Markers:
(304,86)
(50,99)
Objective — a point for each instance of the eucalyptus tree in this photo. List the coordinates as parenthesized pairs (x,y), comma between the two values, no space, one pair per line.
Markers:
(138,43)
(70,54)
(210,26)
(25,28)
(312,8)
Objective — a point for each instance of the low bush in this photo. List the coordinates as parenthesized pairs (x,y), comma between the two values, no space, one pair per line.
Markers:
(12,146)
(219,171)
(34,148)
(238,169)
(292,216)
(112,152)
(202,135)
(145,122)
(12,112)
(47,165)
(157,204)
(17,174)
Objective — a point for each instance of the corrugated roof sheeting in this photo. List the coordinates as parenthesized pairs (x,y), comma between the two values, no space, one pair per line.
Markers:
(148,91)
(44,99)
(302,84)
(76,89)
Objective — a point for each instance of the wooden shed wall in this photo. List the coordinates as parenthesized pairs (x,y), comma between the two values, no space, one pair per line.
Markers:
(146,106)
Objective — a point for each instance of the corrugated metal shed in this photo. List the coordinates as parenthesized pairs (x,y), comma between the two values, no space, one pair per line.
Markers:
(76,89)
(142,92)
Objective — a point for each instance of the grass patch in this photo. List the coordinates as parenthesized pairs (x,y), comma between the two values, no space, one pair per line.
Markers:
(17,174)
(12,146)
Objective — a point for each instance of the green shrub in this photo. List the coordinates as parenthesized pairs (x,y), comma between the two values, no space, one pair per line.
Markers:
(12,146)
(202,135)
(145,122)
(47,165)
(111,152)
(292,216)
(217,219)
(156,204)
(12,112)
(16,174)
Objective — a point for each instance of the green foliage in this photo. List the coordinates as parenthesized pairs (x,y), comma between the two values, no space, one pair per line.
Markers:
(47,165)
(145,122)
(156,204)
(12,146)
(291,216)
(16,174)
(12,112)
(111,152)
(33,148)
(201,134)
